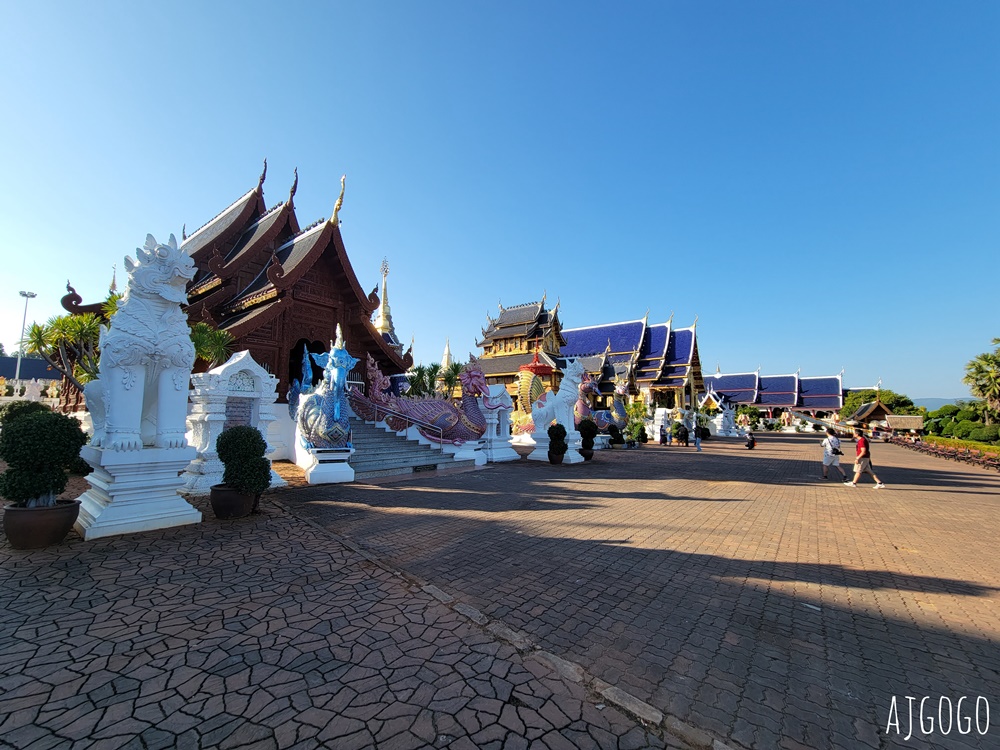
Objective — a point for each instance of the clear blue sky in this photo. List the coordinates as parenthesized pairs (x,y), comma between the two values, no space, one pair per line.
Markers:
(818,182)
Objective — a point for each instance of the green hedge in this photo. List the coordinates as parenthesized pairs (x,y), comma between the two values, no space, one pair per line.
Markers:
(962,444)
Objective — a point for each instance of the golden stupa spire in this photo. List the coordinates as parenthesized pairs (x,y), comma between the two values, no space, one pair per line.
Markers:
(383,322)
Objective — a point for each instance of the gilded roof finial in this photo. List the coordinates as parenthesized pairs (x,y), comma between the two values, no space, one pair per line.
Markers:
(670,320)
(295,187)
(114,283)
(335,219)
(645,318)
(263,175)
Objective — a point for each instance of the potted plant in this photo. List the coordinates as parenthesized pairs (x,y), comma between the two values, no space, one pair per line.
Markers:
(247,474)
(557,443)
(38,448)
(588,431)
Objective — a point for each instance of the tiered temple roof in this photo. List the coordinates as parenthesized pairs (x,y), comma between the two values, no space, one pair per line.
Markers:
(777,391)
(273,286)
(651,357)
(511,340)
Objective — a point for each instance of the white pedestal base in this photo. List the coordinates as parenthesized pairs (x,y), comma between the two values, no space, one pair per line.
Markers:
(500,451)
(574,440)
(469,450)
(134,491)
(541,451)
(601,442)
(328,465)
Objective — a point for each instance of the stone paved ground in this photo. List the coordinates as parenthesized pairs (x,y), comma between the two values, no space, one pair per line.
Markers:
(265,633)
(732,589)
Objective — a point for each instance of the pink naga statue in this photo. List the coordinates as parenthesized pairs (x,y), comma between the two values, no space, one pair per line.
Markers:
(457,423)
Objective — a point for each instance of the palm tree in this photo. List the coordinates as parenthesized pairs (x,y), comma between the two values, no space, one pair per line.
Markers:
(423,380)
(449,377)
(417,378)
(69,343)
(982,375)
(211,345)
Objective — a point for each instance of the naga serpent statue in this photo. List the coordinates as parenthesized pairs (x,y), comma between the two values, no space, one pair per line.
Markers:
(582,409)
(323,416)
(616,414)
(457,423)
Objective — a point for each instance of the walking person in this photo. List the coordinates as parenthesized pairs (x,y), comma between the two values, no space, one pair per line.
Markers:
(832,454)
(863,461)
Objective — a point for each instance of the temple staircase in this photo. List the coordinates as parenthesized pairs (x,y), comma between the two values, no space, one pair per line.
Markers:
(379,452)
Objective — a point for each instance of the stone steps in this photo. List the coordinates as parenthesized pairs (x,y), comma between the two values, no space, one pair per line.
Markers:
(378,453)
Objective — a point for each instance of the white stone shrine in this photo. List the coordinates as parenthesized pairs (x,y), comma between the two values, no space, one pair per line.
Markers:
(239,392)
(497,446)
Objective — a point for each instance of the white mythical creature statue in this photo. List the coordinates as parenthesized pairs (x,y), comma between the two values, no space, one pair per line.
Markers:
(558,407)
(141,395)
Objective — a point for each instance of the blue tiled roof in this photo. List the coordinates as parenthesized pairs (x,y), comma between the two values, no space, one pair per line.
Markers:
(738,388)
(821,386)
(779,390)
(619,359)
(742,381)
(739,397)
(822,402)
(624,337)
(821,392)
(655,343)
(681,346)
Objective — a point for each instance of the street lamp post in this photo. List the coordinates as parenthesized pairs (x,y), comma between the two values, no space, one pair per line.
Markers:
(20,344)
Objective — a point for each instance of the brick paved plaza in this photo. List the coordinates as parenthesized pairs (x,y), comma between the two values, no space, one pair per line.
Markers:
(732,591)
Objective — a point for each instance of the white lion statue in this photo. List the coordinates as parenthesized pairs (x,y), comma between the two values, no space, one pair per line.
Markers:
(141,395)
(558,406)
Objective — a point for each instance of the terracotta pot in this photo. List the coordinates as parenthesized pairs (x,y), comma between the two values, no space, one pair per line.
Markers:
(587,453)
(34,528)
(556,458)
(228,504)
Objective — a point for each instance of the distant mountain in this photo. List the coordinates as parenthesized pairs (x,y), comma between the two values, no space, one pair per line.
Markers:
(933,404)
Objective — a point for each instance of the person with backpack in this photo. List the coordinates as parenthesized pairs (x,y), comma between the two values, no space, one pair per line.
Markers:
(832,454)
(863,461)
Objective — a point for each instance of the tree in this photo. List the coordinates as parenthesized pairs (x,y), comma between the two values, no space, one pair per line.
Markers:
(982,375)
(449,377)
(423,380)
(3,352)
(211,345)
(897,403)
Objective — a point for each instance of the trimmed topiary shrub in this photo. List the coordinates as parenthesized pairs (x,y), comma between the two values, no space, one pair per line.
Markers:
(39,448)
(948,410)
(557,440)
(588,431)
(985,434)
(241,450)
(949,429)
(16,409)
(964,428)
(965,415)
